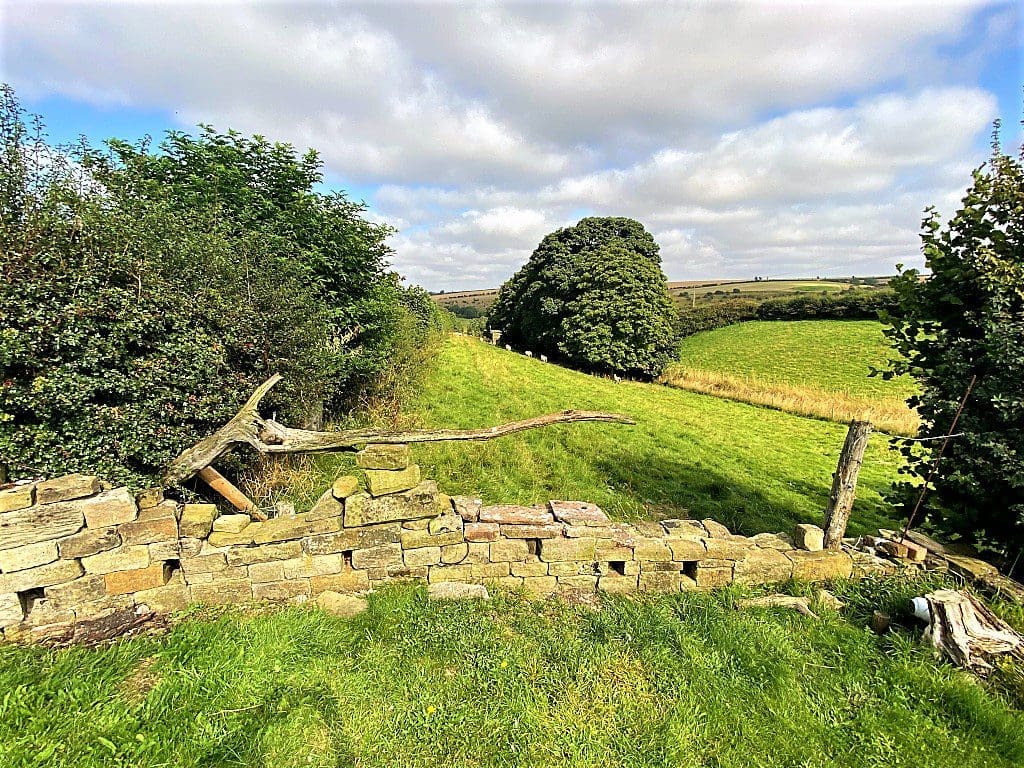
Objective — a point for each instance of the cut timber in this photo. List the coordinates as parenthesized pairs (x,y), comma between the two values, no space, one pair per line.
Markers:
(799,604)
(267,436)
(964,630)
(844,483)
(225,488)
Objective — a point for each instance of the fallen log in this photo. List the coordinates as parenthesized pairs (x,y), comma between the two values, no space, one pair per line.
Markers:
(268,436)
(965,631)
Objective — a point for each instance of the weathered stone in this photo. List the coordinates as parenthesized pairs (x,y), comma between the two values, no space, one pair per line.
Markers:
(18,496)
(289,528)
(416,525)
(281,590)
(528,569)
(488,571)
(43,576)
(28,556)
(648,566)
(173,596)
(509,550)
(481,531)
(108,508)
(609,549)
(560,550)
(126,582)
(713,573)
(658,581)
(820,566)
(578,513)
(531,531)
(651,549)
(269,571)
(119,559)
(779,541)
(510,514)
(915,551)
(440,573)
(477,552)
(362,509)
(467,508)
(540,586)
(149,497)
(682,528)
(617,584)
(423,556)
(727,549)
(197,520)
(42,613)
(263,554)
(809,537)
(326,506)
(450,590)
(284,508)
(687,549)
(384,456)
(39,523)
(66,488)
(971,567)
(149,531)
(345,486)
(648,528)
(400,572)
(204,563)
(221,592)
(382,482)
(763,566)
(353,538)
(573,568)
(73,593)
(11,612)
(453,553)
(377,557)
(188,547)
(342,606)
(715,529)
(231,523)
(450,523)
(89,542)
(415,539)
(346,581)
(578,583)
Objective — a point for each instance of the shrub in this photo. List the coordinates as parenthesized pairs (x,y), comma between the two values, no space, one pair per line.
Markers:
(716,314)
(845,305)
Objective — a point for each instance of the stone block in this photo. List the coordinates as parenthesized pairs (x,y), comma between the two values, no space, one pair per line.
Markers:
(197,520)
(649,529)
(326,506)
(281,590)
(119,559)
(449,523)
(687,549)
(511,514)
(540,586)
(362,509)
(578,513)
(43,576)
(713,573)
(476,552)
(651,549)
(488,571)
(578,583)
(779,541)
(416,525)
(809,537)
(149,531)
(451,554)
(73,593)
(377,557)
(532,531)
(481,531)
(18,496)
(345,486)
(608,549)
(172,596)
(291,528)
(763,566)
(149,498)
(415,539)
(324,565)
(561,550)
(423,556)
(383,482)
(28,556)
(439,573)
(527,569)
(221,592)
(231,523)
(189,547)
(467,507)
(108,508)
(399,572)
(509,550)
(204,563)
(820,566)
(11,612)
(384,456)
(353,538)
(715,529)
(66,488)
(126,582)
(88,542)
(617,584)
(727,549)
(449,590)
(340,605)
(915,551)
(658,581)
(581,531)
(573,568)
(40,523)
(346,581)
(263,554)
(263,572)
(682,528)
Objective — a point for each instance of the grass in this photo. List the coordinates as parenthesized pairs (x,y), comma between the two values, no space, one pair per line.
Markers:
(681,680)
(814,368)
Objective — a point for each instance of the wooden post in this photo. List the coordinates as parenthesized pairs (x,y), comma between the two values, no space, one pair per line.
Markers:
(225,488)
(844,483)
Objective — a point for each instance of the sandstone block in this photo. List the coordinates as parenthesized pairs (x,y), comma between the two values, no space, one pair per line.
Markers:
(687,549)
(40,523)
(809,537)
(578,583)
(416,525)
(384,456)
(467,508)
(715,529)
(529,570)
(281,590)
(581,531)
(66,488)
(779,541)
(382,482)
(108,508)
(73,593)
(173,596)
(452,554)
(88,542)
(43,576)
(345,486)
(540,586)
(377,557)
(324,565)
(440,573)
(18,496)
(610,550)
(659,581)
(289,528)
(326,506)
(560,550)
(126,582)
(263,554)
(399,572)
(204,563)
(763,566)
(221,592)
(531,531)
(197,520)
(713,573)
(488,571)
(476,552)
(481,531)
(342,606)
(10,610)
(510,514)
(353,538)
(449,590)
(149,531)
(119,559)
(915,551)
(578,513)
(263,572)
(346,581)
(149,498)
(509,550)
(449,523)
(362,509)
(573,568)
(188,547)
(683,528)
(231,523)
(28,556)
(415,539)
(651,549)
(423,556)
(617,584)
(820,566)
(727,549)
(649,529)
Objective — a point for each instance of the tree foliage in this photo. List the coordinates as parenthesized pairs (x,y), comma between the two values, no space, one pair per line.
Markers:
(967,320)
(593,294)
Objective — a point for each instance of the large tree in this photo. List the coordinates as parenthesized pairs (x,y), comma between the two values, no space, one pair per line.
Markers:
(594,295)
(966,322)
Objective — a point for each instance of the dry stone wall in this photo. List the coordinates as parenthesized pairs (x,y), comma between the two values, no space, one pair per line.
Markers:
(73,550)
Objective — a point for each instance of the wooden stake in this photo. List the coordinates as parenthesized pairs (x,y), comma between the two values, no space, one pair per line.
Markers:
(225,488)
(844,483)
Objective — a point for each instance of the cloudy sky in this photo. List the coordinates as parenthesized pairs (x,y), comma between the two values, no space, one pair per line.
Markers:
(771,138)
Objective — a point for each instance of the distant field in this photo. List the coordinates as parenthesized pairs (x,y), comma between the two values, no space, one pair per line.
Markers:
(811,367)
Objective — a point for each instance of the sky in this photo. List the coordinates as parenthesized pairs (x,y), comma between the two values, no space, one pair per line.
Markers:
(778,139)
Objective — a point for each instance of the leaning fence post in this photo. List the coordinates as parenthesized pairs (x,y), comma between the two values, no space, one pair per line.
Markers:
(844,483)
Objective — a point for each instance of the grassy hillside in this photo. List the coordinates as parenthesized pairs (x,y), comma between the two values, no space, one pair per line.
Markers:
(752,468)
(811,367)
(682,680)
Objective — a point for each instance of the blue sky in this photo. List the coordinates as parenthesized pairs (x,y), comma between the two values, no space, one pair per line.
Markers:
(778,139)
